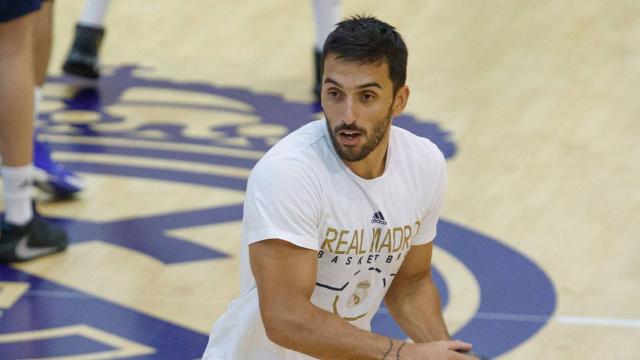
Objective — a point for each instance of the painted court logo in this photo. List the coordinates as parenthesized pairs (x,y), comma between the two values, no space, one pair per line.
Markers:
(226,131)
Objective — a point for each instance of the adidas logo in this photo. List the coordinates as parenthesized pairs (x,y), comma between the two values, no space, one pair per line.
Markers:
(25,184)
(378,218)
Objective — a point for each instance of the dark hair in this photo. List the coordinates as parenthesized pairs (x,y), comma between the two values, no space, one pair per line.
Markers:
(367,40)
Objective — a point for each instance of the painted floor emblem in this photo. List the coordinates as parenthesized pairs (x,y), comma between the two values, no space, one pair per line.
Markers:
(509,282)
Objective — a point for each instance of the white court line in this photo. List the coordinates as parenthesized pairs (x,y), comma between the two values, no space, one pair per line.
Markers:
(595,321)
(564,320)
(510,317)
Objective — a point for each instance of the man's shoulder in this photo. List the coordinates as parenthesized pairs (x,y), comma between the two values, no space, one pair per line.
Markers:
(299,142)
(298,153)
(417,146)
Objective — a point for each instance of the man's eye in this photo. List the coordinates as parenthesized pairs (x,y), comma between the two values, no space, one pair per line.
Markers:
(367,97)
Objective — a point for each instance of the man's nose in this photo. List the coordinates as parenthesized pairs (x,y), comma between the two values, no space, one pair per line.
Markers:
(350,112)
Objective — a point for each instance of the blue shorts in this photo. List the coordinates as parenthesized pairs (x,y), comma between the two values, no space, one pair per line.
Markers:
(12,9)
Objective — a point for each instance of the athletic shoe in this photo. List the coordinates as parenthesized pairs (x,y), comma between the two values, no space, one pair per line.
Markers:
(82,59)
(317,58)
(52,177)
(35,239)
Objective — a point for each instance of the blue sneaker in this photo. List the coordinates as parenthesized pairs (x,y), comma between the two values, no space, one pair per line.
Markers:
(52,177)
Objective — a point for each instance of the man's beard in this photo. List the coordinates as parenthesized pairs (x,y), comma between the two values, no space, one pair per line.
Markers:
(351,154)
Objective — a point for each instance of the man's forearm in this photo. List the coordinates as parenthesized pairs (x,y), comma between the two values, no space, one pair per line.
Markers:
(316,332)
(415,305)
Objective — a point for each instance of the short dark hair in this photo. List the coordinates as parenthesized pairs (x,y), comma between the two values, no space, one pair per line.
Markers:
(367,40)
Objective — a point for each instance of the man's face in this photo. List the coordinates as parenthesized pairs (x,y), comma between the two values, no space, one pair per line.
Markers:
(358,102)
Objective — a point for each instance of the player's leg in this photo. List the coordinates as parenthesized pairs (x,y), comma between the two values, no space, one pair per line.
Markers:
(24,235)
(326,14)
(49,175)
(83,57)
(42,40)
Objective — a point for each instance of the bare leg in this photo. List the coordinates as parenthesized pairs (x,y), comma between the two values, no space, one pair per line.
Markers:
(49,176)
(16,116)
(43,35)
(24,235)
(16,91)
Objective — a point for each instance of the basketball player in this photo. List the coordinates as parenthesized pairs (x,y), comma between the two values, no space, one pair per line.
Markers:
(83,57)
(340,215)
(49,175)
(24,235)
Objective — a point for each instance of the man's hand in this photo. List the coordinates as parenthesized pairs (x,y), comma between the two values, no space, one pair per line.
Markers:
(436,350)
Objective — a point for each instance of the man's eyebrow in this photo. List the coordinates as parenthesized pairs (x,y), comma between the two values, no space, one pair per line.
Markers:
(331,81)
(371,84)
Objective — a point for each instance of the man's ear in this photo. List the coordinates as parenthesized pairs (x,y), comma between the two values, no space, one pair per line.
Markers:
(400,100)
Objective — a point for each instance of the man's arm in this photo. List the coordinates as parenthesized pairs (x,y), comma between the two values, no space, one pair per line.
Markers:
(285,276)
(413,299)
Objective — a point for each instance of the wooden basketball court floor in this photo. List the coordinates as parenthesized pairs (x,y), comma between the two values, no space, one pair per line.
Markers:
(535,104)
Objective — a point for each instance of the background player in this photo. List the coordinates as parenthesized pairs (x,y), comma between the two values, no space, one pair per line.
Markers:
(24,235)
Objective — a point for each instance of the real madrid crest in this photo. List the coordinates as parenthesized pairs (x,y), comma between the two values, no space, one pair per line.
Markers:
(360,293)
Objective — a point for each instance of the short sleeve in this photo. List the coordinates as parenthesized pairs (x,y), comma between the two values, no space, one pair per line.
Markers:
(427,229)
(283,202)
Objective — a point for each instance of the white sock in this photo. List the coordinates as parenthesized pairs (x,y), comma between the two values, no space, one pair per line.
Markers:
(93,13)
(17,190)
(326,14)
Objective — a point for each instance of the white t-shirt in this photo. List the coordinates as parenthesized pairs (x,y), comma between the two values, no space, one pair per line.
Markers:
(302,192)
